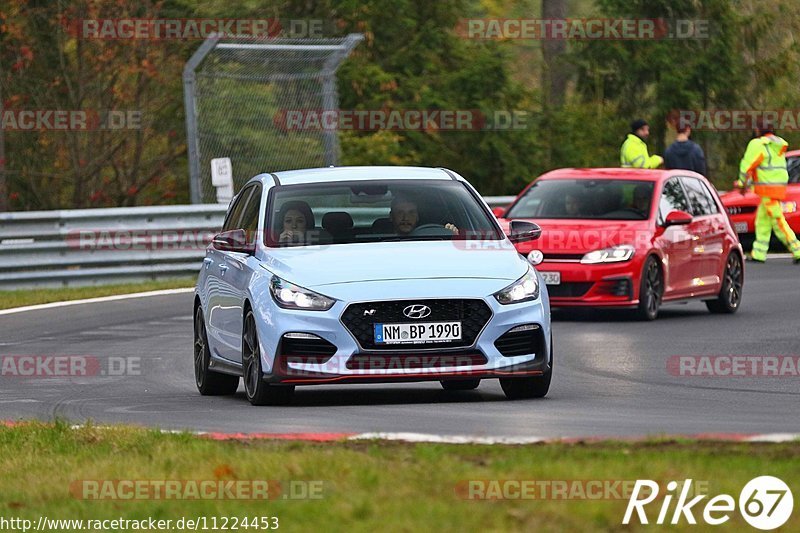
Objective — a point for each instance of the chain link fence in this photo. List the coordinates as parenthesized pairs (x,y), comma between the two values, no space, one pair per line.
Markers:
(237,90)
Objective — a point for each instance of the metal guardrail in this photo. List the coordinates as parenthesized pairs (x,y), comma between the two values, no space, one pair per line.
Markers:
(78,247)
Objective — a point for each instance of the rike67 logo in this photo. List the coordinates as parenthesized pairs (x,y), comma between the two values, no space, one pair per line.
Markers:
(765,503)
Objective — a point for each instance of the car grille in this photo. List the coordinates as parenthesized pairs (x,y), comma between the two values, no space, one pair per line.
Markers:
(360,318)
(563,258)
(401,362)
(569,290)
(525,342)
(741,210)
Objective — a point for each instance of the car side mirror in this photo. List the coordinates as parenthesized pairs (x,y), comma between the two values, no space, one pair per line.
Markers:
(234,240)
(524,231)
(678,218)
(499,212)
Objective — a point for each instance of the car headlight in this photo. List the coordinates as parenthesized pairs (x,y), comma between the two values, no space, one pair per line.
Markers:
(789,207)
(614,254)
(524,289)
(290,296)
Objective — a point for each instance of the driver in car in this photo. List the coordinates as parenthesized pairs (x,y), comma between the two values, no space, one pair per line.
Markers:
(405,217)
(641,199)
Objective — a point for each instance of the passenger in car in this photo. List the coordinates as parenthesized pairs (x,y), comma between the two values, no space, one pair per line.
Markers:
(295,219)
(641,199)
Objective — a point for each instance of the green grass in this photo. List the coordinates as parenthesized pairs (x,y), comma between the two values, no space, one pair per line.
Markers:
(19,298)
(367,486)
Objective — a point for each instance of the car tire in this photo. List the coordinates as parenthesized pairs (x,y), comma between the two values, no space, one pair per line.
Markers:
(258,391)
(730,294)
(531,387)
(460,384)
(208,382)
(651,290)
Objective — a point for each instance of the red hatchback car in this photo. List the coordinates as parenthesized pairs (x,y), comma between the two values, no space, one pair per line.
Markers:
(630,238)
(742,207)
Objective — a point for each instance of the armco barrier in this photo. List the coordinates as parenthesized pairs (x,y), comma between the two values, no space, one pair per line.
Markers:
(77,247)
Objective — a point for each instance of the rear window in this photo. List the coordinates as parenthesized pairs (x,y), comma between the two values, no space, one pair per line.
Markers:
(374,211)
(601,199)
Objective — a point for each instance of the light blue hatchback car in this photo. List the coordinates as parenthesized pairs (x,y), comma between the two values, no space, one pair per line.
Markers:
(364,275)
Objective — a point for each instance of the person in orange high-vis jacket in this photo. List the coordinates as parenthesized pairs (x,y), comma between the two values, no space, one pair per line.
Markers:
(764,165)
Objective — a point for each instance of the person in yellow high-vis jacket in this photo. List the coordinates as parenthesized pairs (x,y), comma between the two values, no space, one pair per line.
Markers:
(764,165)
(633,152)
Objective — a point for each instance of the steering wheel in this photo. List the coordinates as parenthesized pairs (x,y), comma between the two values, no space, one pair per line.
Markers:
(430,229)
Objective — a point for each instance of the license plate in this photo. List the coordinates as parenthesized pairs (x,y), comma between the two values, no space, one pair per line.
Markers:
(740,227)
(415,333)
(551,278)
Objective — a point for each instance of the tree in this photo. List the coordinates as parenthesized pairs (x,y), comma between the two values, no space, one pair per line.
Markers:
(53,68)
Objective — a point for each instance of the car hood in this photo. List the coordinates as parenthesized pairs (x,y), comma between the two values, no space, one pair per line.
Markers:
(320,266)
(583,236)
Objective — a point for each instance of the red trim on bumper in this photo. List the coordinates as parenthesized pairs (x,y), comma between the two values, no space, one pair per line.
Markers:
(431,376)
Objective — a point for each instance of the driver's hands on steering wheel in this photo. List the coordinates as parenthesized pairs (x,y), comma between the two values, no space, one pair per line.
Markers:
(451,227)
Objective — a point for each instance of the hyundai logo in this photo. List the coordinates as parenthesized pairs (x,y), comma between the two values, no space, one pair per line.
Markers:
(417,311)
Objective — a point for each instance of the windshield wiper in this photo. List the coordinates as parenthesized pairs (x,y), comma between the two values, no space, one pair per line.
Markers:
(420,238)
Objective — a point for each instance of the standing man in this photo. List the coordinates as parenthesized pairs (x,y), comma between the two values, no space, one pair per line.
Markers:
(634,150)
(764,165)
(685,154)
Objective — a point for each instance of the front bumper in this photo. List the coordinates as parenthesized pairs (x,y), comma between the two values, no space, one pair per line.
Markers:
(600,285)
(351,363)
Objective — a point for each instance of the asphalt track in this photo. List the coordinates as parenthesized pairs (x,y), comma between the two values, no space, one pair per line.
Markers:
(611,375)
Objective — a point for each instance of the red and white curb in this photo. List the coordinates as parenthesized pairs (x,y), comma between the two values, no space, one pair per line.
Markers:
(98,299)
(455,439)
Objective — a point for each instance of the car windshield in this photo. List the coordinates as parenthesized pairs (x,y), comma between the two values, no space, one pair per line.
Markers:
(585,199)
(373,211)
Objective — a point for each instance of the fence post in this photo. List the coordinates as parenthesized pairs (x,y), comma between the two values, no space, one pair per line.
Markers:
(190,106)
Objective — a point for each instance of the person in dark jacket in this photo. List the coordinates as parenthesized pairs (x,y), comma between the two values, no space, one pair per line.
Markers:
(685,154)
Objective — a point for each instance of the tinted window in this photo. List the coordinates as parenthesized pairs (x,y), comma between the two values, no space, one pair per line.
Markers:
(672,199)
(700,199)
(373,211)
(709,196)
(249,221)
(793,166)
(585,199)
(235,211)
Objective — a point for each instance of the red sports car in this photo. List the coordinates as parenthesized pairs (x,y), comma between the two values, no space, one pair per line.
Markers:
(742,208)
(630,238)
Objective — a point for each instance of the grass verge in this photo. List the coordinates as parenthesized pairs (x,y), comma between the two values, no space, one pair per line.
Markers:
(20,298)
(366,486)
